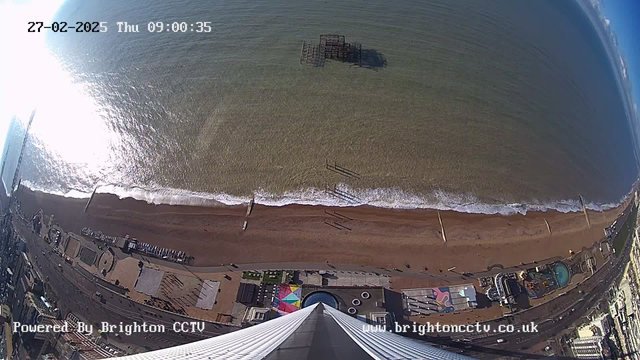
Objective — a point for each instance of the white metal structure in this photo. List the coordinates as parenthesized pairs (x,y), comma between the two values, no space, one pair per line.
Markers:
(387,345)
(254,342)
(262,340)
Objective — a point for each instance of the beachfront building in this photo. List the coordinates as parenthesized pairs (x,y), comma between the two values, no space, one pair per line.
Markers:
(446,299)
(359,294)
(504,290)
(317,331)
(592,347)
(256,315)
(624,305)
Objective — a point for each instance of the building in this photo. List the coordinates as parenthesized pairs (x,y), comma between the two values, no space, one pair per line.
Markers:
(463,297)
(6,342)
(445,299)
(10,291)
(26,280)
(5,314)
(256,315)
(365,303)
(504,289)
(624,305)
(247,294)
(599,326)
(72,345)
(21,262)
(33,310)
(21,244)
(77,346)
(317,331)
(592,347)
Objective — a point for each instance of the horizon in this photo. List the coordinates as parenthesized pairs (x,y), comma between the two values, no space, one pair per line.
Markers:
(623,15)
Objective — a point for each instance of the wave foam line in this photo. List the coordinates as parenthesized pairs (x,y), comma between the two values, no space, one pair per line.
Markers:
(391,198)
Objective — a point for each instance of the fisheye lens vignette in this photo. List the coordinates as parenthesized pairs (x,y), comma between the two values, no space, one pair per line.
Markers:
(415,180)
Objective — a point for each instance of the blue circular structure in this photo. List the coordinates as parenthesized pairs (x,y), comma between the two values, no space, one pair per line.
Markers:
(320,296)
(562,274)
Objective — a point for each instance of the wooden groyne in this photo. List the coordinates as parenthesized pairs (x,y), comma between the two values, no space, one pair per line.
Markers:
(584,210)
(341,170)
(343,195)
(250,207)
(332,225)
(336,219)
(246,218)
(90,199)
(548,226)
(444,237)
(337,225)
(337,215)
(341,226)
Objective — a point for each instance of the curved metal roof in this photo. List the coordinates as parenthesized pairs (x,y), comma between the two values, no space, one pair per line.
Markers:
(260,341)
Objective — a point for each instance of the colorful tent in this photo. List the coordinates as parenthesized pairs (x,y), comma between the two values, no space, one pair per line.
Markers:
(288,298)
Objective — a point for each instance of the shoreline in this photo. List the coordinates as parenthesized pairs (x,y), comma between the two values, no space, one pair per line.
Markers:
(397,199)
(299,233)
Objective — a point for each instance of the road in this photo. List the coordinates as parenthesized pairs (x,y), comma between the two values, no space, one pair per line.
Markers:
(411,272)
(76,294)
(555,315)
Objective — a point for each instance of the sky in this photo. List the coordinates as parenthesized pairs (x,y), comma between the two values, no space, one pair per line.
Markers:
(625,23)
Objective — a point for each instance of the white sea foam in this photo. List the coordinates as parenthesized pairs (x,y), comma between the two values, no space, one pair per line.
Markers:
(384,198)
(72,193)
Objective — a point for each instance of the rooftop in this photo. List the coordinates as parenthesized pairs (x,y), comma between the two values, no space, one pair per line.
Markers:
(445,299)
(368,300)
(315,332)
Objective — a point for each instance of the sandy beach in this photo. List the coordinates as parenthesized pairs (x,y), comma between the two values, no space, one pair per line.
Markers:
(298,233)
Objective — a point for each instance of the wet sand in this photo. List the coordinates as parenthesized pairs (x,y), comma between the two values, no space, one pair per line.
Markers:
(298,233)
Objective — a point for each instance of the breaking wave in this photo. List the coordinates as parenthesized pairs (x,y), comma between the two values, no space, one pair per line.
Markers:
(343,196)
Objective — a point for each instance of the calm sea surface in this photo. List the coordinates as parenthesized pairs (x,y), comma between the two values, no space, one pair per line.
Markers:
(464,103)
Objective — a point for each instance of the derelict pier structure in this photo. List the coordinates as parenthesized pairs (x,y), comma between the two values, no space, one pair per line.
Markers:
(332,47)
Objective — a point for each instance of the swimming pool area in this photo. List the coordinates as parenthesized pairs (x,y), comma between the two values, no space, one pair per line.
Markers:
(540,282)
(562,274)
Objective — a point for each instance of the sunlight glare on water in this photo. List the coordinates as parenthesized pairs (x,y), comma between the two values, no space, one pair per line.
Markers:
(438,116)
(21,50)
(68,124)
(65,111)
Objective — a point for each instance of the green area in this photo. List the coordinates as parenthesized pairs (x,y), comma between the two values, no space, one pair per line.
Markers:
(625,231)
(251,275)
(272,277)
